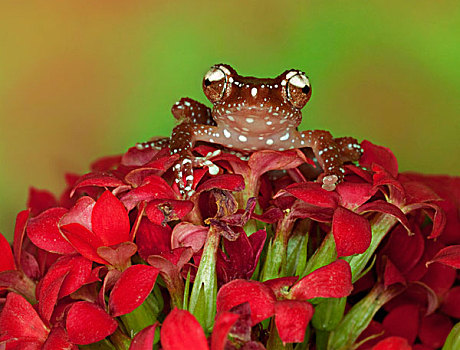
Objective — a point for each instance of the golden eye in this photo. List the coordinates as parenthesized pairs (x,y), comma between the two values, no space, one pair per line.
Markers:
(298,89)
(215,83)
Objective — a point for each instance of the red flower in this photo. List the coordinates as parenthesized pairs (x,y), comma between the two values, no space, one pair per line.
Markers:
(292,312)
(234,250)
(181,331)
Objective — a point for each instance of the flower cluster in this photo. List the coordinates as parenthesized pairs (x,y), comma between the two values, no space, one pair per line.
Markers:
(259,257)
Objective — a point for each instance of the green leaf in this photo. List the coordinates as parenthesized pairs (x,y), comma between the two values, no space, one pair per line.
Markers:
(329,313)
(453,339)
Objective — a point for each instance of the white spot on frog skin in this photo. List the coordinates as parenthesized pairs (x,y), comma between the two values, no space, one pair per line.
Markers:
(229,117)
(284,137)
(269,142)
(254,92)
(227,133)
(269,122)
(249,120)
(242,138)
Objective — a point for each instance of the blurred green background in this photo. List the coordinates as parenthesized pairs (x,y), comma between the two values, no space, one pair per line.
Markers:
(83,79)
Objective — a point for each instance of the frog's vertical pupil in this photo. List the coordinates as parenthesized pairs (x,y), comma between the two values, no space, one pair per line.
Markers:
(306,89)
(207,82)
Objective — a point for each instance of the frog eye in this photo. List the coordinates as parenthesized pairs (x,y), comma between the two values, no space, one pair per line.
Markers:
(298,89)
(215,83)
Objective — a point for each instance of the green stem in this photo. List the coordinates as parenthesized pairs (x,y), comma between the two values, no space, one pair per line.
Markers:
(275,262)
(325,254)
(274,342)
(359,317)
(204,291)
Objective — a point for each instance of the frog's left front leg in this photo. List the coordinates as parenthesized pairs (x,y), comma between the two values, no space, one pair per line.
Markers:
(327,154)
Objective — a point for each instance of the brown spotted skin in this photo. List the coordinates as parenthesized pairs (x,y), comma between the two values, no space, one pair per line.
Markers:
(251,114)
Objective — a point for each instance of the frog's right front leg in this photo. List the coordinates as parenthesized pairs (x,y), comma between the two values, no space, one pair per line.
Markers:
(185,111)
(183,139)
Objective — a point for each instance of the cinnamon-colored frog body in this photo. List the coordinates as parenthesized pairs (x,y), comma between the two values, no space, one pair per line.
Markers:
(251,114)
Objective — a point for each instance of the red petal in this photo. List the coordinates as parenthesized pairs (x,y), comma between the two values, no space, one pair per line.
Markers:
(58,340)
(450,305)
(181,331)
(312,193)
(404,250)
(417,192)
(131,289)
(80,213)
(110,220)
(222,326)
(449,256)
(392,275)
(434,330)
(260,298)
(352,232)
(118,256)
(160,211)
(87,323)
(19,233)
(97,179)
(152,239)
(48,297)
(354,194)
(229,182)
(155,187)
(330,281)
(43,231)
(292,318)
(403,321)
(392,343)
(106,163)
(387,208)
(144,339)
(19,319)
(40,200)
(422,347)
(263,161)
(6,258)
(84,241)
(279,285)
(77,269)
(186,234)
(383,156)
(136,157)
(438,218)
(439,278)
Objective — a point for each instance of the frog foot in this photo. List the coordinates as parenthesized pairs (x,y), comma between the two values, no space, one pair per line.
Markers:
(330,181)
(183,171)
(155,144)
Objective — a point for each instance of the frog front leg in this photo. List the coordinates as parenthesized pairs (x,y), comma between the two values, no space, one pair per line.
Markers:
(329,154)
(186,110)
(183,139)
